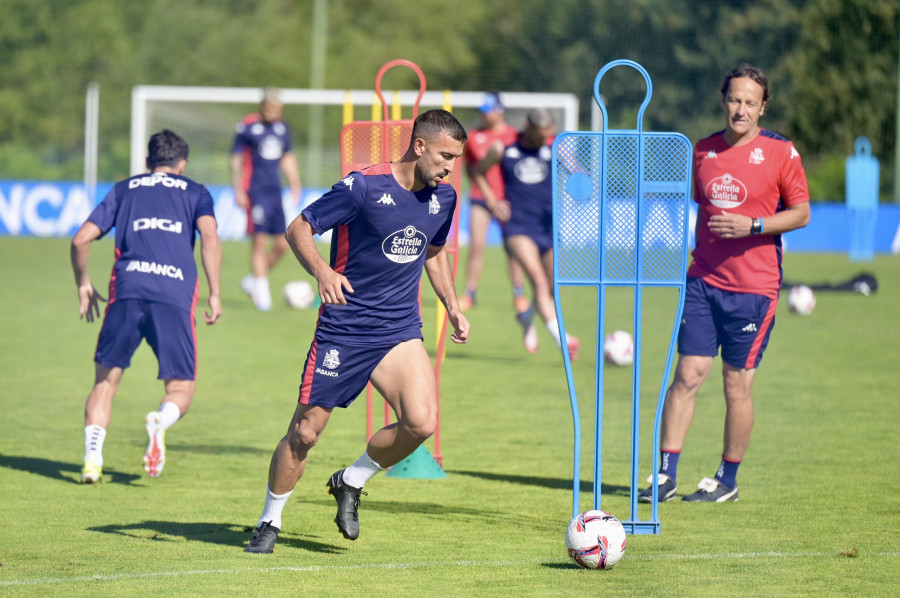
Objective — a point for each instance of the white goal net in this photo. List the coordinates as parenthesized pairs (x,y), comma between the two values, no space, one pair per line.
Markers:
(206,118)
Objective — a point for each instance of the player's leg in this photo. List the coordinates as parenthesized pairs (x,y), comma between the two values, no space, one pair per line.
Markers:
(738,383)
(479,222)
(279,248)
(171,333)
(678,412)
(259,265)
(517,279)
(285,470)
(119,338)
(97,415)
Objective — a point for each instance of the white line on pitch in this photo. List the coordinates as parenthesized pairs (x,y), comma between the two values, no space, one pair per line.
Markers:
(649,557)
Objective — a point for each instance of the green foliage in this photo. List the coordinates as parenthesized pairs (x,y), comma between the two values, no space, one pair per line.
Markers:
(817,515)
(832,64)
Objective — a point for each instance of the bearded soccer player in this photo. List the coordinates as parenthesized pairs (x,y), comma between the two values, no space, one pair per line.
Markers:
(153,292)
(750,186)
(388,221)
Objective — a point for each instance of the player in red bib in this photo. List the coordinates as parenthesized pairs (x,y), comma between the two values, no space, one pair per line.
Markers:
(750,187)
(494,128)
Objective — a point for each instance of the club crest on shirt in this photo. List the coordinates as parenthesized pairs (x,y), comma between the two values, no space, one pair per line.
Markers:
(726,192)
(756,156)
(434,206)
(405,245)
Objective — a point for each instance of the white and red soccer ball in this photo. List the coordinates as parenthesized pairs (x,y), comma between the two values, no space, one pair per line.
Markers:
(801,300)
(299,294)
(618,348)
(595,540)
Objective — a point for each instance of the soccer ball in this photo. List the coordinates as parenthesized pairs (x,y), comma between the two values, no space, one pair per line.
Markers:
(299,294)
(595,540)
(618,348)
(801,300)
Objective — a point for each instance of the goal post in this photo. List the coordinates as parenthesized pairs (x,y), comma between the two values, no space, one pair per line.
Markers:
(206,117)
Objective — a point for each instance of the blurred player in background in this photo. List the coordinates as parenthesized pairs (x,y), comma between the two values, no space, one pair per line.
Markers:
(262,148)
(750,187)
(527,216)
(494,128)
(153,292)
(388,221)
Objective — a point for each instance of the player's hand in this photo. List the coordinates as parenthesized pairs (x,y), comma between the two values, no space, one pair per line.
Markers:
(332,287)
(460,325)
(730,226)
(242,199)
(89,299)
(501,211)
(215,310)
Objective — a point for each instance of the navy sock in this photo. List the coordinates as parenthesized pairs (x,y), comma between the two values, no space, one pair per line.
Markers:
(727,473)
(669,464)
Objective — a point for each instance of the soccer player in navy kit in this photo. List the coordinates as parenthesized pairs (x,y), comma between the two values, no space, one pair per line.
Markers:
(527,216)
(153,291)
(262,146)
(388,221)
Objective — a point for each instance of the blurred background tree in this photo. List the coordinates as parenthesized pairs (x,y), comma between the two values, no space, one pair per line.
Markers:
(832,64)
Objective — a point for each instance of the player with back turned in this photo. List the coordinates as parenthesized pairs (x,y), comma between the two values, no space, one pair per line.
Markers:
(153,292)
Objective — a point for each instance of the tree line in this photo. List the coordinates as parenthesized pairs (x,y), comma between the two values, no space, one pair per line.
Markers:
(832,64)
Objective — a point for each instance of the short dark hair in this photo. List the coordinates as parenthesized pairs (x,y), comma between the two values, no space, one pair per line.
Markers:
(431,123)
(751,72)
(166,148)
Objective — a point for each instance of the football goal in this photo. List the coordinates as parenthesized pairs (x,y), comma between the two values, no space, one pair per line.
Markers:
(206,118)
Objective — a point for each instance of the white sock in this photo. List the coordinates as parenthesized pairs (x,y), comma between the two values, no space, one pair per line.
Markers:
(262,295)
(169,413)
(361,472)
(93,443)
(273,507)
(553,329)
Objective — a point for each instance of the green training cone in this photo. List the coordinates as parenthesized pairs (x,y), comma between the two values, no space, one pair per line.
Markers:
(418,466)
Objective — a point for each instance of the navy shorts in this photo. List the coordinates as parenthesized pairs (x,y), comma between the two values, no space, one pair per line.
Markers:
(170,331)
(266,215)
(541,238)
(740,323)
(336,372)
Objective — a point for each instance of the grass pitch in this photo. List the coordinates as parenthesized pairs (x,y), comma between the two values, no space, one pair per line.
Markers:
(818,514)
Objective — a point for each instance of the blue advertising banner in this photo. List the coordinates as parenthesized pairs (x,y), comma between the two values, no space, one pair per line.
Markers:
(57,209)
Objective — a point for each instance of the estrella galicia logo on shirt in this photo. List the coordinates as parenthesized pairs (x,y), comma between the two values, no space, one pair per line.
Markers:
(405,245)
(531,170)
(726,192)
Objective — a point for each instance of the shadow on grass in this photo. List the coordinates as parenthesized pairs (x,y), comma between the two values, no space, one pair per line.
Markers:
(225,534)
(542,482)
(65,472)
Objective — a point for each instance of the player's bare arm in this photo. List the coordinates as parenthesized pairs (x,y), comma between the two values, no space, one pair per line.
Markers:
(88,297)
(735,226)
(292,174)
(237,184)
(437,266)
(332,285)
(211,256)
(499,209)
